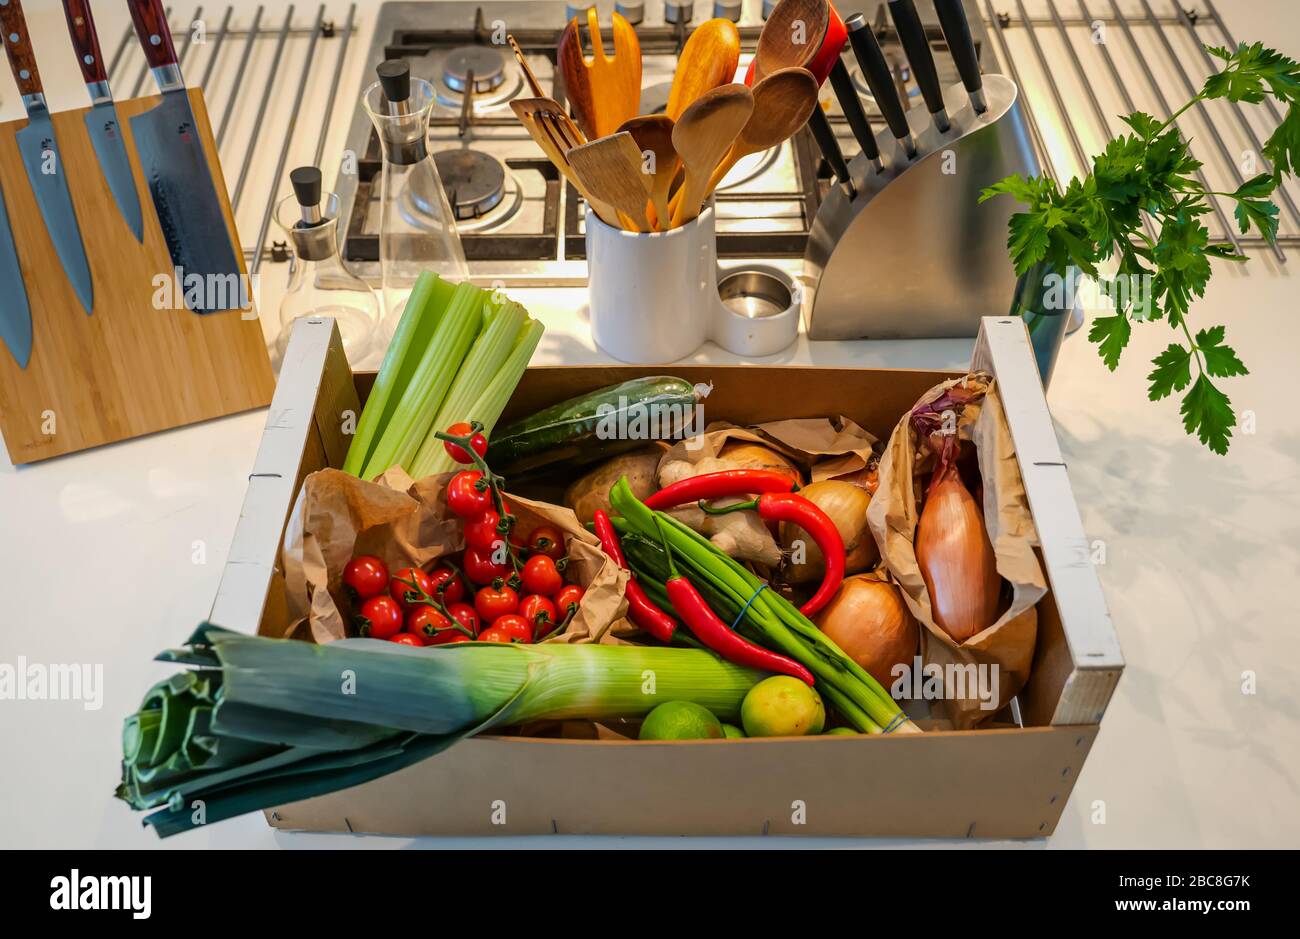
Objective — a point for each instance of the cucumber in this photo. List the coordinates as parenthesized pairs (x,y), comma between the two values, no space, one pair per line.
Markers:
(597,425)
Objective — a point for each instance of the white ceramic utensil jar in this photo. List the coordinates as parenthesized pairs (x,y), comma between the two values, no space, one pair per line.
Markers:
(652,294)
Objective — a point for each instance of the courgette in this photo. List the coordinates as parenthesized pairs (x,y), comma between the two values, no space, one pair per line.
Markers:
(597,425)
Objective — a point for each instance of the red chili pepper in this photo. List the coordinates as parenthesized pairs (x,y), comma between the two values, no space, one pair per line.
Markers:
(640,608)
(719,485)
(721,638)
(789,507)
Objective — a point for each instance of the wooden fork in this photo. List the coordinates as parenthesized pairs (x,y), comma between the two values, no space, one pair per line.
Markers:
(606,91)
(555,132)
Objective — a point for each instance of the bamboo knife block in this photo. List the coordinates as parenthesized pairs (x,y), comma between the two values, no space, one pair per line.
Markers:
(130,368)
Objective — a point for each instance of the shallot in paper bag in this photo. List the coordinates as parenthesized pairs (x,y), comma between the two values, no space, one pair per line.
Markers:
(1004,651)
(406,522)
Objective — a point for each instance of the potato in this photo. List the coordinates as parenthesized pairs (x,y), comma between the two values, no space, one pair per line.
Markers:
(591,491)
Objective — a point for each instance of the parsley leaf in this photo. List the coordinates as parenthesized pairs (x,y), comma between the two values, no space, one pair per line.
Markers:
(1172,372)
(1112,334)
(1220,361)
(1208,413)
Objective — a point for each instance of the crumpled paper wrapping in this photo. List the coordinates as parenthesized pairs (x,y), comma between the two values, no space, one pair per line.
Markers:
(893,516)
(406,522)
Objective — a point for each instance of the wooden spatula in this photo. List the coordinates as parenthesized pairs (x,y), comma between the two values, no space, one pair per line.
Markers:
(557,135)
(653,134)
(612,170)
(606,91)
(782,102)
(703,135)
(708,59)
(533,85)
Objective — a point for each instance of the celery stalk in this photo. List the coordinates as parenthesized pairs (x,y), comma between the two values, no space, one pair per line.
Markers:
(485,359)
(437,370)
(487,409)
(423,312)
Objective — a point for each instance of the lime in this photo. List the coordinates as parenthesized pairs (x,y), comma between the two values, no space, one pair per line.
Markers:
(680,720)
(732,732)
(782,706)
(841,732)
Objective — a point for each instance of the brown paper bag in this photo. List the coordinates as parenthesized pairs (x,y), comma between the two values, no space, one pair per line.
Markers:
(893,516)
(405,522)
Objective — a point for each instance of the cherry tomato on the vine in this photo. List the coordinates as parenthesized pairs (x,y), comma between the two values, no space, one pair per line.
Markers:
(366,576)
(428,622)
(568,596)
(491,603)
(449,582)
(481,530)
(477,442)
(456,637)
(492,634)
(481,568)
(407,639)
(540,612)
(380,617)
(540,576)
(466,615)
(516,627)
(464,497)
(410,586)
(547,540)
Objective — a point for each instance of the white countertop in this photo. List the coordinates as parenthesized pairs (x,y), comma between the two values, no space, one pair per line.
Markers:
(111,555)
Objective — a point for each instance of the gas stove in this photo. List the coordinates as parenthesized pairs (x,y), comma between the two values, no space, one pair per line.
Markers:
(520,222)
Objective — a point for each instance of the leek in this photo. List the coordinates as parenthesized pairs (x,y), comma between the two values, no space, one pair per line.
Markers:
(438,368)
(267,721)
(485,359)
(420,318)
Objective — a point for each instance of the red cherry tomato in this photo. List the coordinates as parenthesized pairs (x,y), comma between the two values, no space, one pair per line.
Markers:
(464,614)
(547,540)
(411,586)
(481,531)
(366,576)
(380,618)
(482,569)
(456,637)
(408,639)
(516,627)
(449,582)
(491,603)
(540,576)
(464,497)
(568,596)
(492,634)
(477,442)
(429,623)
(540,612)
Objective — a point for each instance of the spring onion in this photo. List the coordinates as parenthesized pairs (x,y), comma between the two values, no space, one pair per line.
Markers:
(265,721)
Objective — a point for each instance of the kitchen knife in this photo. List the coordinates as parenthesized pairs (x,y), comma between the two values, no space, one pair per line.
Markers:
(41,158)
(830,147)
(101,120)
(880,80)
(851,105)
(15,314)
(180,180)
(912,35)
(956,31)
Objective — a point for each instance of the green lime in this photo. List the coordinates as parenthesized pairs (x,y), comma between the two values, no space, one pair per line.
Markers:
(841,732)
(680,720)
(732,732)
(782,706)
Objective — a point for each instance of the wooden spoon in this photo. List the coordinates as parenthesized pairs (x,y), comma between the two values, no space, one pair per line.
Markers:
(791,36)
(708,60)
(557,135)
(533,84)
(782,102)
(612,171)
(606,91)
(653,134)
(702,136)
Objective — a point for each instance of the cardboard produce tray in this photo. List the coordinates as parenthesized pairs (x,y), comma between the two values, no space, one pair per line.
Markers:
(1010,782)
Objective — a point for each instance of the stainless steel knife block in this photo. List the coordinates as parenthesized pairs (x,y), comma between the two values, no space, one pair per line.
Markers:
(912,254)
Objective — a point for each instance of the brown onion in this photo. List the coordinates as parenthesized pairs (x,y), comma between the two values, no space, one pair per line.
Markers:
(742,454)
(956,560)
(868,619)
(846,504)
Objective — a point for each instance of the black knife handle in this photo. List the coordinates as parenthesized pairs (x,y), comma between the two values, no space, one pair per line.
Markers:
(912,35)
(18,44)
(956,30)
(85,42)
(877,72)
(155,35)
(830,147)
(847,96)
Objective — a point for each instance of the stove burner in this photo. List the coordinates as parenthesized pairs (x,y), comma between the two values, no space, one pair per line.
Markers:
(485,62)
(475,182)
